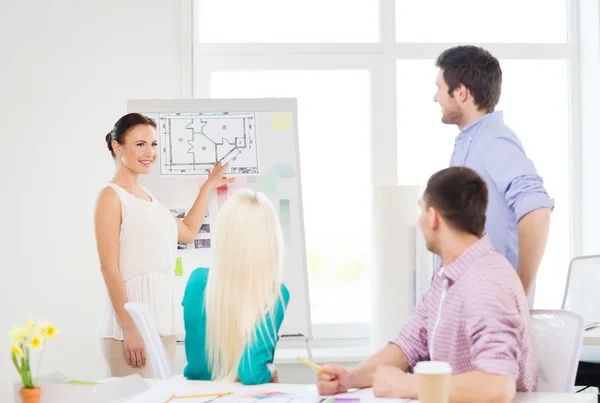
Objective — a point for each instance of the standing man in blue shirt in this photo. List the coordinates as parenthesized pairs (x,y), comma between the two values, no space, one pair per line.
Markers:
(518,214)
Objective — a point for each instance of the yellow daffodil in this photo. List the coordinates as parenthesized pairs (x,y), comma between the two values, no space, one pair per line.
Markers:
(30,337)
(35,343)
(51,331)
(46,330)
(30,325)
(42,328)
(18,334)
(16,350)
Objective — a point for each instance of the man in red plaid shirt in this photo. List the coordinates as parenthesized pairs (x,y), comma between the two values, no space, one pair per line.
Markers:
(475,315)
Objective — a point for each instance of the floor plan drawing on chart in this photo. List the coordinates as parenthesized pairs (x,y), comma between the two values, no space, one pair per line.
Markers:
(191,143)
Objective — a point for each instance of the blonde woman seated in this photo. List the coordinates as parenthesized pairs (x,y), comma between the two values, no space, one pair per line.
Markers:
(233,311)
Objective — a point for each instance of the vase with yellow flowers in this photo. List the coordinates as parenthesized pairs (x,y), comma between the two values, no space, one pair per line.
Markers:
(31,337)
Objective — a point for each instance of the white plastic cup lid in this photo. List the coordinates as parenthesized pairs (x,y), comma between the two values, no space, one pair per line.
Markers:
(432,368)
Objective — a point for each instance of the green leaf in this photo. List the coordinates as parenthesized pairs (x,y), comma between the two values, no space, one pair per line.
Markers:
(19,370)
(14,360)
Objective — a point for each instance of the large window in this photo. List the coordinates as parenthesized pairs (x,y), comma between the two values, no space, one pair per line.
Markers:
(532,90)
(371,63)
(336,234)
(288,21)
(506,21)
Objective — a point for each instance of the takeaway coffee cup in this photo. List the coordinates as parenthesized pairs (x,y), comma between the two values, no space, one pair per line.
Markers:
(434,381)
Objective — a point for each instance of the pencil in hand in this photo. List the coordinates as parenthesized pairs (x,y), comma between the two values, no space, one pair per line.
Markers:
(311,364)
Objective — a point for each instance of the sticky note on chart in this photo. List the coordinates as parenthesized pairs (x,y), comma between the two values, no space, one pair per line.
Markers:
(221,195)
(267,184)
(252,182)
(285,170)
(178,267)
(240,183)
(281,121)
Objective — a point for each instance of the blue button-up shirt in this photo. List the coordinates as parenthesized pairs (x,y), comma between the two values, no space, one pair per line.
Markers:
(493,150)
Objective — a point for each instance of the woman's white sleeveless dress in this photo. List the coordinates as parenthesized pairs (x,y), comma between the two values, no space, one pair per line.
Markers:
(148,245)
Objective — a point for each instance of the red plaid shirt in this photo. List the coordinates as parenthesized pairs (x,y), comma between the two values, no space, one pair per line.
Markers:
(484,323)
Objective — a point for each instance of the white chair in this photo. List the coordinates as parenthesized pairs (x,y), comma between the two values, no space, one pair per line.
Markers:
(582,296)
(154,348)
(558,337)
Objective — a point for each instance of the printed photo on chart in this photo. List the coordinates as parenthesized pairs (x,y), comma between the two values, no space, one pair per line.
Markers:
(178,212)
(202,243)
(181,246)
(204,229)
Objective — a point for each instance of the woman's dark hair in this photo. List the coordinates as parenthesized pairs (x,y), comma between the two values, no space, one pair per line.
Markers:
(460,195)
(123,126)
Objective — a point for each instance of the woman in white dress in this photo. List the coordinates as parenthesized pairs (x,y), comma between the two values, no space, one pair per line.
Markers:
(137,239)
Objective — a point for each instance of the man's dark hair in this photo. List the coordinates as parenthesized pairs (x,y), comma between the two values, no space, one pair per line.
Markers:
(477,70)
(460,195)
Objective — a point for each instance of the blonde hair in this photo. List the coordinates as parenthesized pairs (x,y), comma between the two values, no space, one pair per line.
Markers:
(244,282)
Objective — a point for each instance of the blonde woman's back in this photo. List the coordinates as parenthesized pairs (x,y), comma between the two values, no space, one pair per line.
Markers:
(252,368)
(233,311)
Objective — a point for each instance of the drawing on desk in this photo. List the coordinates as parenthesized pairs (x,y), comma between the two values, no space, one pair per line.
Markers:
(273,397)
(191,143)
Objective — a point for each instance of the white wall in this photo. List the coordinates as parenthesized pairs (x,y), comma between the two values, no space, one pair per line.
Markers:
(67,68)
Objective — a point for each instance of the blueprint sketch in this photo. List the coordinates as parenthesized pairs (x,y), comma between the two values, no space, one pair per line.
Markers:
(191,143)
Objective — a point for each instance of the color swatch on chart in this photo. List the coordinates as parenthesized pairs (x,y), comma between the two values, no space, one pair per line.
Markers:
(281,121)
(252,182)
(221,195)
(178,267)
(240,182)
(285,170)
(267,184)
(285,219)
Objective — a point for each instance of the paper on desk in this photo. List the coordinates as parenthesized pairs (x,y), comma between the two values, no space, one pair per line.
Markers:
(158,393)
(365,395)
(161,392)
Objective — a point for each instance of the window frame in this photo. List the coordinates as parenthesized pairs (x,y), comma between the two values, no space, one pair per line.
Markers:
(199,60)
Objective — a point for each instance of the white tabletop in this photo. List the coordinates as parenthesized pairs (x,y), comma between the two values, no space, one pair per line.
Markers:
(309,391)
(556,398)
(591,338)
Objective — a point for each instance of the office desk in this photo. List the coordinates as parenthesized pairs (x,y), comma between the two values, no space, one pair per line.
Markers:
(591,338)
(310,392)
